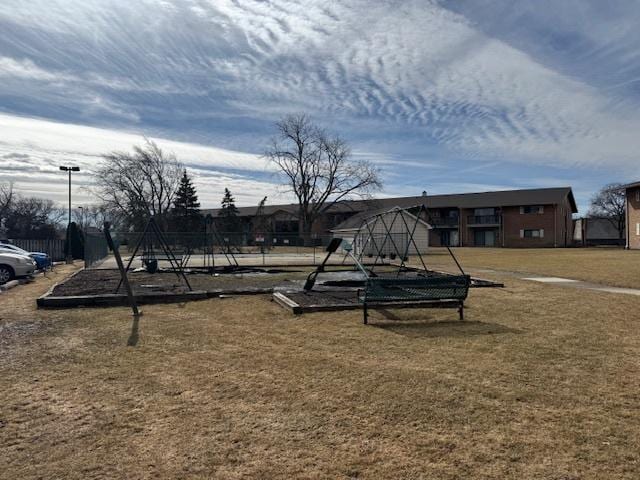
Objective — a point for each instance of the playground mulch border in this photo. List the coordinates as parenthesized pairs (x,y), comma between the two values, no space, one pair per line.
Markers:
(320,299)
(54,299)
(300,302)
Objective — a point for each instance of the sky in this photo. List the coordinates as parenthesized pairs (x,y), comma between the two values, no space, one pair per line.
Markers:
(443,96)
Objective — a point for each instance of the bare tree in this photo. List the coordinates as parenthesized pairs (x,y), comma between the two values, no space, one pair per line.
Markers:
(31,217)
(6,199)
(317,168)
(139,184)
(609,203)
(95,216)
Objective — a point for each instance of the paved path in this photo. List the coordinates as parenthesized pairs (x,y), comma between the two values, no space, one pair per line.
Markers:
(563,282)
(567,282)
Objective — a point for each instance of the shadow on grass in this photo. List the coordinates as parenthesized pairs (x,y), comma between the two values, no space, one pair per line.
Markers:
(134,337)
(426,328)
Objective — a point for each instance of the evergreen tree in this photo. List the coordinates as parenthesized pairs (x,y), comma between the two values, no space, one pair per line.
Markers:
(186,208)
(228,213)
(76,236)
(260,224)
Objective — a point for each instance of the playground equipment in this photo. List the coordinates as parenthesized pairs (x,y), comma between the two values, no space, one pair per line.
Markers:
(393,233)
(123,274)
(212,239)
(331,248)
(150,240)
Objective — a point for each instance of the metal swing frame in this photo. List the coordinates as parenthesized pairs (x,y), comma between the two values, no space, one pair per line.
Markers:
(209,262)
(429,289)
(150,231)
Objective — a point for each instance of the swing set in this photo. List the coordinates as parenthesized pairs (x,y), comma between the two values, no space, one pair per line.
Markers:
(155,248)
(393,234)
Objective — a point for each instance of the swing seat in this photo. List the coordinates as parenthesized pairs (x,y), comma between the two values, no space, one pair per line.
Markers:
(151,265)
(160,257)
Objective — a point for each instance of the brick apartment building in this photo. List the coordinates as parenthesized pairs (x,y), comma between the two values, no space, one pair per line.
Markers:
(514,218)
(632,192)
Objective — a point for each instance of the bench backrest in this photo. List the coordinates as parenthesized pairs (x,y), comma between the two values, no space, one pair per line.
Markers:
(417,288)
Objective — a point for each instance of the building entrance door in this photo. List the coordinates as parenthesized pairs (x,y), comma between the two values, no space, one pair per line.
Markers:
(453,238)
(484,238)
(449,238)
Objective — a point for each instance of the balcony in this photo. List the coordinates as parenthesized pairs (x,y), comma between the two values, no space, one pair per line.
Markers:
(483,220)
(444,222)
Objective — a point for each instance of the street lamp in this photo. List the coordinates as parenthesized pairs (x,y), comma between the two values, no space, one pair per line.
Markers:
(69,169)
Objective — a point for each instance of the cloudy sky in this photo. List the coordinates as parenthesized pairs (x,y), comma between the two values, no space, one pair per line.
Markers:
(444,96)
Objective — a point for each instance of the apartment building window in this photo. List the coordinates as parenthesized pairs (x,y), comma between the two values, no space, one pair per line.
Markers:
(638,229)
(532,209)
(638,195)
(532,233)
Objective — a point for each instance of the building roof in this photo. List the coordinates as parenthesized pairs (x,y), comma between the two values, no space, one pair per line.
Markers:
(355,221)
(503,198)
(632,185)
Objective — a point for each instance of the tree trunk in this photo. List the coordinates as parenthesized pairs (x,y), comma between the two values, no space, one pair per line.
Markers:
(304,231)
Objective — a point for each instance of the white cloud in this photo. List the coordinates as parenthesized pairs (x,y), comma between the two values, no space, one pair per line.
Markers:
(31,151)
(408,75)
(26,69)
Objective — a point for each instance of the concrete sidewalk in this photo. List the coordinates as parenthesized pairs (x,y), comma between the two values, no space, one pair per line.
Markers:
(568,282)
(562,282)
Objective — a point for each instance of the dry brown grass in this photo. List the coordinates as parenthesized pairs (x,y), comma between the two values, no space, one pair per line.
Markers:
(609,266)
(541,382)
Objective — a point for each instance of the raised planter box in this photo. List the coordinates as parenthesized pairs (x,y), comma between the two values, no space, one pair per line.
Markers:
(117,299)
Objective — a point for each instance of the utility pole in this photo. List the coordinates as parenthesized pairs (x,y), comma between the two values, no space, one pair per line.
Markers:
(69,169)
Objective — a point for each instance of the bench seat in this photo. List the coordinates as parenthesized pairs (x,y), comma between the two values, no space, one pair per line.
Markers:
(440,290)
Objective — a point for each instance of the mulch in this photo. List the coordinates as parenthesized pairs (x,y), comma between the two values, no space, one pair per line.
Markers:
(324,297)
(100,282)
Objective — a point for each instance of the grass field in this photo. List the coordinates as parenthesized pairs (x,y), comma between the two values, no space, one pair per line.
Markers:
(609,266)
(539,383)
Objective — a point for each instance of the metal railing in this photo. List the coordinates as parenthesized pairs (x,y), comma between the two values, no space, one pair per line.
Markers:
(483,220)
(444,221)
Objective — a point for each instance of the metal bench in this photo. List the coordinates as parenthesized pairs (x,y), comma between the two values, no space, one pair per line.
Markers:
(434,291)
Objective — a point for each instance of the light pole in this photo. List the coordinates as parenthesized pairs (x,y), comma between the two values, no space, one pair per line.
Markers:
(69,169)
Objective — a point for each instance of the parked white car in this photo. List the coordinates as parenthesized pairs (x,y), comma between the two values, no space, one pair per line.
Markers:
(14,265)
(42,259)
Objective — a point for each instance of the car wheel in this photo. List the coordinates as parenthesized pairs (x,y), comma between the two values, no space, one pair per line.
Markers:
(6,274)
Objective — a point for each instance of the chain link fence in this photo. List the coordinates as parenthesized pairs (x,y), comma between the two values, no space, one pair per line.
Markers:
(233,242)
(195,249)
(95,249)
